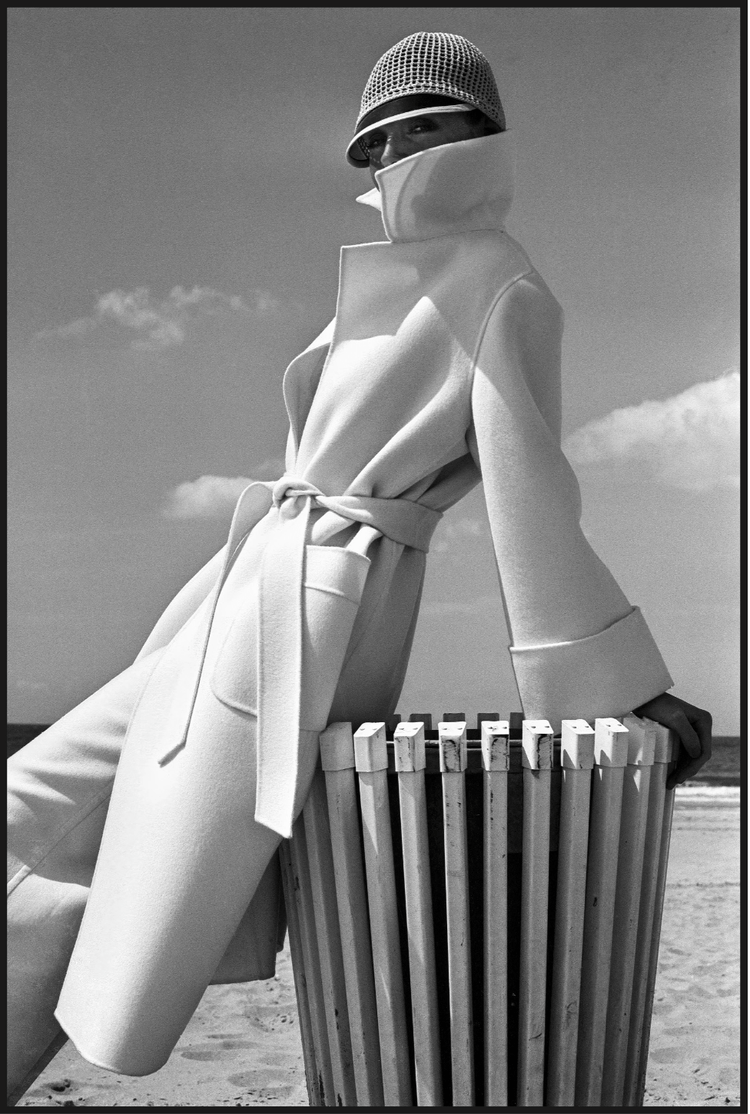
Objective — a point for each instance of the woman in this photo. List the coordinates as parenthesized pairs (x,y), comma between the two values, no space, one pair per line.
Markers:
(441,368)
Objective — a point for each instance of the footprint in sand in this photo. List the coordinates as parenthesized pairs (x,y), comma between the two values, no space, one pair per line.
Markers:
(222,1050)
(208,1056)
(60,1085)
(667,1055)
(250,1080)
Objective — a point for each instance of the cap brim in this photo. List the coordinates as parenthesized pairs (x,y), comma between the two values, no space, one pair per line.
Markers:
(356,155)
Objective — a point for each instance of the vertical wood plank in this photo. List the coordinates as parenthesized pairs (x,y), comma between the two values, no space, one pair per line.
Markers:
(537,741)
(320,862)
(610,756)
(409,753)
(452,740)
(633,1097)
(495,764)
(300,976)
(641,744)
(653,959)
(371,760)
(337,760)
(309,948)
(577,761)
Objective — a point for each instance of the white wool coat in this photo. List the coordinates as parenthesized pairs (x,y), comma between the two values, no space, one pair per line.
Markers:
(441,369)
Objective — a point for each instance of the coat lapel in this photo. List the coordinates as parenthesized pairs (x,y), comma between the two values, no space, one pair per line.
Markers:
(301,380)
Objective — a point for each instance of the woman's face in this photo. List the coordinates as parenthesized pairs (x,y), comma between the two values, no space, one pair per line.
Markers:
(402,138)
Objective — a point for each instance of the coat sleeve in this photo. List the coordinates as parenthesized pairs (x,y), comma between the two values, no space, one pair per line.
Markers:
(579,649)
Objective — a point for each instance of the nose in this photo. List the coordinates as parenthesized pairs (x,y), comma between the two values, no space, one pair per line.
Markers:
(392,151)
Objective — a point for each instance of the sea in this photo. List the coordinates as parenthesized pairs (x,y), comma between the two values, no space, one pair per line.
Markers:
(722,770)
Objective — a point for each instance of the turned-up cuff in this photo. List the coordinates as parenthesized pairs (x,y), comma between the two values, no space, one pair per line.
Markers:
(606,674)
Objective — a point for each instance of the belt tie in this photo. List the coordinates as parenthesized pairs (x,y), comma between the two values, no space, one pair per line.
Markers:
(280,616)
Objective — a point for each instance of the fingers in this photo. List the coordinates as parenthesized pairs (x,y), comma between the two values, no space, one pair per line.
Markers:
(688,736)
(694,731)
(691,725)
(684,773)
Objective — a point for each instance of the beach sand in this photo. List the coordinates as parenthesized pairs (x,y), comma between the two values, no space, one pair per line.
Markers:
(242,1046)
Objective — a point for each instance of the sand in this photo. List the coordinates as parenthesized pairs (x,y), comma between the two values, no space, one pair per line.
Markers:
(243,1048)
(694,1057)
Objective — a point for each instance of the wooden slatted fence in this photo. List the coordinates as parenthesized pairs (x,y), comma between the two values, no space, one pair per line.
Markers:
(474,914)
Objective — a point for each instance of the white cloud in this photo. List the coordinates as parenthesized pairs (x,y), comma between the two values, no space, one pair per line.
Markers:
(690,440)
(215,496)
(164,324)
(453,534)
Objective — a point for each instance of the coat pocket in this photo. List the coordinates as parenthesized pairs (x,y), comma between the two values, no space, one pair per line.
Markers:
(334,581)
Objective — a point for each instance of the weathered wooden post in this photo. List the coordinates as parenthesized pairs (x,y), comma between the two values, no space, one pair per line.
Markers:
(337,760)
(371,757)
(577,762)
(495,764)
(452,738)
(409,752)
(537,787)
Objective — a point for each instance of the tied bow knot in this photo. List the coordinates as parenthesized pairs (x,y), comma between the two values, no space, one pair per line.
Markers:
(288,487)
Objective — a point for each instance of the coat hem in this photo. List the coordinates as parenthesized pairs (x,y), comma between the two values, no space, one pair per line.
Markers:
(101,1063)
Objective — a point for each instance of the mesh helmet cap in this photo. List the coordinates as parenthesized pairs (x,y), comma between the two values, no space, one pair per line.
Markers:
(431,62)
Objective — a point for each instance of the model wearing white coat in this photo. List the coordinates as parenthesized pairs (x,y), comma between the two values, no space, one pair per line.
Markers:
(442,368)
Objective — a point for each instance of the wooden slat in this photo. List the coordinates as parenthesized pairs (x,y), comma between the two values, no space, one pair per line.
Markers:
(577,762)
(409,753)
(320,861)
(372,762)
(632,1095)
(452,737)
(300,975)
(611,755)
(337,759)
(641,744)
(653,959)
(309,948)
(495,764)
(537,740)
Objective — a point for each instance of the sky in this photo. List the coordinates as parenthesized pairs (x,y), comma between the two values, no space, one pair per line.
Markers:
(178,195)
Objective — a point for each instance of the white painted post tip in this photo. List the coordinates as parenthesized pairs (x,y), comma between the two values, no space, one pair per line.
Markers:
(537,742)
(409,749)
(577,745)
(663,745)
(610,742)
(496,744)
(337,747)
(370,749)
(641,740)
(667,748)
(452,737)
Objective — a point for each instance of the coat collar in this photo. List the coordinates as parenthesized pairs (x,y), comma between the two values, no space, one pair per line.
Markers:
(458,187)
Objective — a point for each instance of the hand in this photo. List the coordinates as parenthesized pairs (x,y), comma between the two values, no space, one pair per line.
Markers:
(692,725)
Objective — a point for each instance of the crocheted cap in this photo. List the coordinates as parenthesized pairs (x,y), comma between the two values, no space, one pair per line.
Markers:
(429,62)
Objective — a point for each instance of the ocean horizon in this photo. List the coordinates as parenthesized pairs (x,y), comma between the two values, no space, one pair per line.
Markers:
(722,770)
